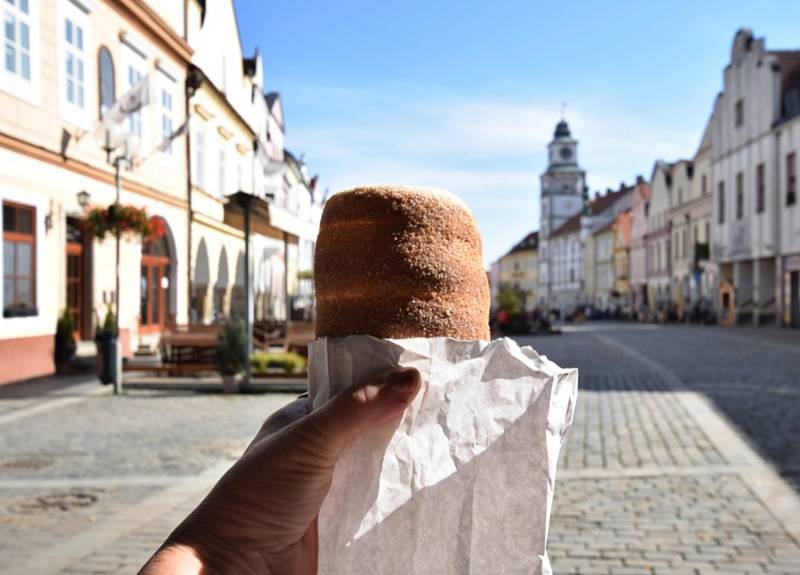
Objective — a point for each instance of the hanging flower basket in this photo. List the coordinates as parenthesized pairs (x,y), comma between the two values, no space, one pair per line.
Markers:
(122,220)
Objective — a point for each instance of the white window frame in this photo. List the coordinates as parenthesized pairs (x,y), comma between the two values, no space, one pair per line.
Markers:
(77,13)
(199,151)
(222,161)
(166,86)
(28,89)
(133,58)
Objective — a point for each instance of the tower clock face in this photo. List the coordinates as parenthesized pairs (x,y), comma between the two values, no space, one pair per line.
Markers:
(565,153)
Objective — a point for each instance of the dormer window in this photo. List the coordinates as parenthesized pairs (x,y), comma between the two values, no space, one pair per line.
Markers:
(739,113)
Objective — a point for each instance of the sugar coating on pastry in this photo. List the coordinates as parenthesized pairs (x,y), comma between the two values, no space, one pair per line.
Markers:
(400,262)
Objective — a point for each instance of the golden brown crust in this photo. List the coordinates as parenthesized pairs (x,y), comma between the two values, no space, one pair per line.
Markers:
(397,262)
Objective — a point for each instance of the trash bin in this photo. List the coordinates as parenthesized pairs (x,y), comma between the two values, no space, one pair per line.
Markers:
(107,361)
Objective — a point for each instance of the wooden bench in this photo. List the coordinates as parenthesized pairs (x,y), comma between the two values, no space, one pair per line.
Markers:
(183,350)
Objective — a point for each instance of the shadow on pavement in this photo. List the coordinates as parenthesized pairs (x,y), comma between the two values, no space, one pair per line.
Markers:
(750,375)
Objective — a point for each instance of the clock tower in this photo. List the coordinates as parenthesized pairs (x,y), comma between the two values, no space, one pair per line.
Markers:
(562,192)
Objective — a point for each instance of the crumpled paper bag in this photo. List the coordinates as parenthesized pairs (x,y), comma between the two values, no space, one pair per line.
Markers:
(463,482)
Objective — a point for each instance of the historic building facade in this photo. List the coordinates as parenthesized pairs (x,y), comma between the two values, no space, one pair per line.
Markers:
(600,266)
(788,134)
(658,239)
(66,62)
(694,277)
(203,132)
(748,162)
(562,188)
(238,146)
(518,271)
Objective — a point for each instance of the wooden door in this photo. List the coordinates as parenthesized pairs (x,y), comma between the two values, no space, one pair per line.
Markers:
(76,285)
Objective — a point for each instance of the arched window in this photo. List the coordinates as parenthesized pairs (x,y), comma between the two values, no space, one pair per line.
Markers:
(105,70)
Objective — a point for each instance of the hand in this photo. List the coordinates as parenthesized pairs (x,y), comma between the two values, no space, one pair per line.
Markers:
(260,517)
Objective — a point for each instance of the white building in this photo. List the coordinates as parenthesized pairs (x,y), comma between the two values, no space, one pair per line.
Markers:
(65,64)
(658,241)
(788,134)
(562,193)
(754,166)
(694,276)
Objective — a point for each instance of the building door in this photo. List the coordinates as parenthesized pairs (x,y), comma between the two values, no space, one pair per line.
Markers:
(794,299)
(155,279)
(79,278)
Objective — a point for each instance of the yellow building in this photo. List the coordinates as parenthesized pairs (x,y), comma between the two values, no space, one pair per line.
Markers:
(65,64)
(622,240)
(221,159)
(518,270)
(237,136)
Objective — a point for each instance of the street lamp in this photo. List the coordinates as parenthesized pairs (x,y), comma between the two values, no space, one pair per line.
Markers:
(113,139)
(83,199)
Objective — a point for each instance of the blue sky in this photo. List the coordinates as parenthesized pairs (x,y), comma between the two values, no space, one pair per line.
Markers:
(465,95)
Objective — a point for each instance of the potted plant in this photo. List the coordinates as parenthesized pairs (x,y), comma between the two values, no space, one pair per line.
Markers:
(231,354)
(64,345)
(105,339)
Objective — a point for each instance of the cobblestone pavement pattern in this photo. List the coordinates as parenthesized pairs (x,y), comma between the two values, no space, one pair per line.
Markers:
(649,479)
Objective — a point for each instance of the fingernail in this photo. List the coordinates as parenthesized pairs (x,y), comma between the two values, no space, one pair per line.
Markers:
(403,380)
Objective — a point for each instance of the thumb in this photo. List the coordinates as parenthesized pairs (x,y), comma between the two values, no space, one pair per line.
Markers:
(364,405)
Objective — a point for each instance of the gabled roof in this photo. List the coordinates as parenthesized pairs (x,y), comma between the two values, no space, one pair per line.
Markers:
(529,242)
(606,201)
(597,206)
(271,98)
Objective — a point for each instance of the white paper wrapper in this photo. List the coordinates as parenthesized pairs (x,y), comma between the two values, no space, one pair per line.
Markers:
(463,482)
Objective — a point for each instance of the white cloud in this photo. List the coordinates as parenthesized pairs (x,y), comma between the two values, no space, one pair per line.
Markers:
(490,153)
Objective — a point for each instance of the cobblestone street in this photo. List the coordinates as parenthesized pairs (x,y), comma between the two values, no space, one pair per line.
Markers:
(680,459)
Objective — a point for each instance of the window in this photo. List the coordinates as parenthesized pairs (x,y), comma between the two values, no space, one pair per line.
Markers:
(680,196)
(791,180)
(708,233)
(135,119)
(199,156)
(760,188)
(75,60)
(134,69)
(685,242)
(721,203)
(19,260)
(105,80)
(221,182)
(739,113)
(166,111)
(677,242)
(704,185)
(739,195)
(224,70)
(17,38)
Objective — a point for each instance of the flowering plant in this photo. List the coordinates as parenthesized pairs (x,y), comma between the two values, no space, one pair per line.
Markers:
(120,219)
